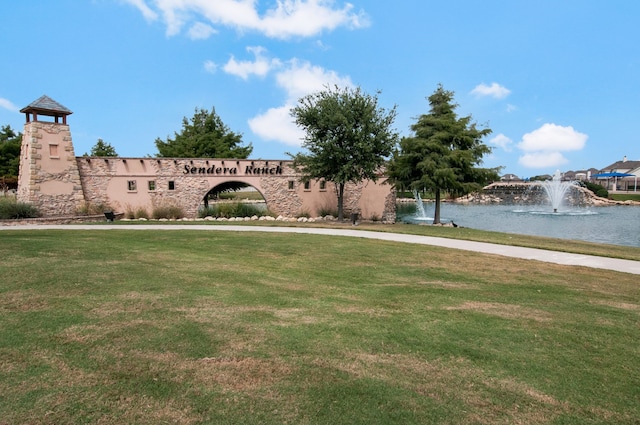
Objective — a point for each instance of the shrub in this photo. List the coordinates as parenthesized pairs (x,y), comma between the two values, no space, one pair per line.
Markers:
(207,212)
(12,209)
(597,189)
(232,209)
(129,213)
(170,212)
(90,208)
(83,209)
(325,211)
(141,213)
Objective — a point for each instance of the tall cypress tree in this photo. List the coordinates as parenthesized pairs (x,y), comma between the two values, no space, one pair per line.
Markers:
(444,153)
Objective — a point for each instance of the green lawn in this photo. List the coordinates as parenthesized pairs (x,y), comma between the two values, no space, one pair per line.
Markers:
(192,327)
(625,196)
(554,244)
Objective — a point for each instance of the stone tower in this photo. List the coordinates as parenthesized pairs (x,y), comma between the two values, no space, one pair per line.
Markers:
(49,178)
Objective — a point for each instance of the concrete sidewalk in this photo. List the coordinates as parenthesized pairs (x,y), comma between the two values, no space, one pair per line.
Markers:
(625,266)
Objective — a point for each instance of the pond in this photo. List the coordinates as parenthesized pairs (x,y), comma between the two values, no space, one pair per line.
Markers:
(617,225)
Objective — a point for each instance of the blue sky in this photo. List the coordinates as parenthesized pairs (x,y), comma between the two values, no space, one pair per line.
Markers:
(558,82)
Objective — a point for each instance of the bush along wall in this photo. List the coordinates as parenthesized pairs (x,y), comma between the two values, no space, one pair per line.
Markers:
(10,209)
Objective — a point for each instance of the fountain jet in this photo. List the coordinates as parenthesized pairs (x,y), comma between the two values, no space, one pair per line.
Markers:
(420,212)
(556,190)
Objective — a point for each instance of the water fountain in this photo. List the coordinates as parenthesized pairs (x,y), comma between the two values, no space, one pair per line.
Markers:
(420,212)
(556,190)
(554,209)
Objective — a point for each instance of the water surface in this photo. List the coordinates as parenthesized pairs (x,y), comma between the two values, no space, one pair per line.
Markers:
(618,225)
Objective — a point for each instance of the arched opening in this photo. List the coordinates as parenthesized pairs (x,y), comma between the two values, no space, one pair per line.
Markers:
(233,199)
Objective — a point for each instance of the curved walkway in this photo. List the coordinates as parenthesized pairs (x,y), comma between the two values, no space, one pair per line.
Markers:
(564,258)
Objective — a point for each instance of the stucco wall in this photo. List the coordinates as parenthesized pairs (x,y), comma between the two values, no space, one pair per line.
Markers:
(106,181)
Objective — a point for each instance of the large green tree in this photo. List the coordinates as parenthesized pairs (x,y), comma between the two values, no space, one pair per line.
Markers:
(444,154)
(348,137)
(10,143)
(204,136)
(102,148)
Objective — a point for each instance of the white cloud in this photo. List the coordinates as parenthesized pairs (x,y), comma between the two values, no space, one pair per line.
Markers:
(542,160)
(148,14)
(543,146)
(552,137)
(320,45)
(277,125)
(511,108)
(260,66)
(8,105)
(502,141)
(308,18)
(200,31)
(288,18)
(301,78)
(494,90)
(210,66)
(297,79)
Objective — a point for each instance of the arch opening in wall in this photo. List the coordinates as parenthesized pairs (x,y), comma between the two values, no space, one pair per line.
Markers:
(233,199)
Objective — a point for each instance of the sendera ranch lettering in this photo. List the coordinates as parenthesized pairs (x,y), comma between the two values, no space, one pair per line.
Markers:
(251,169)
(219,170)
(189,169)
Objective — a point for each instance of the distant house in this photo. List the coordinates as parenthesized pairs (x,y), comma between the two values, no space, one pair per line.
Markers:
(613,182)
(591,172)
(510,178)
(624,166)
(580,175)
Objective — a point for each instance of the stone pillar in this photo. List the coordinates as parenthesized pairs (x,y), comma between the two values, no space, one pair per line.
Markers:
(49,177)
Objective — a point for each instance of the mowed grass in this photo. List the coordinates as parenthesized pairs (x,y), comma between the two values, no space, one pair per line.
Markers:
(150,327)
(464,233)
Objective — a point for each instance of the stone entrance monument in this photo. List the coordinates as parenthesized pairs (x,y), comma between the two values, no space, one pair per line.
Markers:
(59,184)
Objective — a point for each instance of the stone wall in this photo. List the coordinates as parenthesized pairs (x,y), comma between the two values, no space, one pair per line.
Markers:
(279,198)
(105,180)
(49,177)
(389,213)
(58,183)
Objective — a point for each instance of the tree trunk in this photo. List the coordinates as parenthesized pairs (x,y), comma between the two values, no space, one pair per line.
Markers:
(340,201)
(436,214)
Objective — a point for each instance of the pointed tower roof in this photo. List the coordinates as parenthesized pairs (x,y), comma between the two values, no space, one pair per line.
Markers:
(44,105)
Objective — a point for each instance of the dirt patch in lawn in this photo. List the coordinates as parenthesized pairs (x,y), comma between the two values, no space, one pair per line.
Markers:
(506,311)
